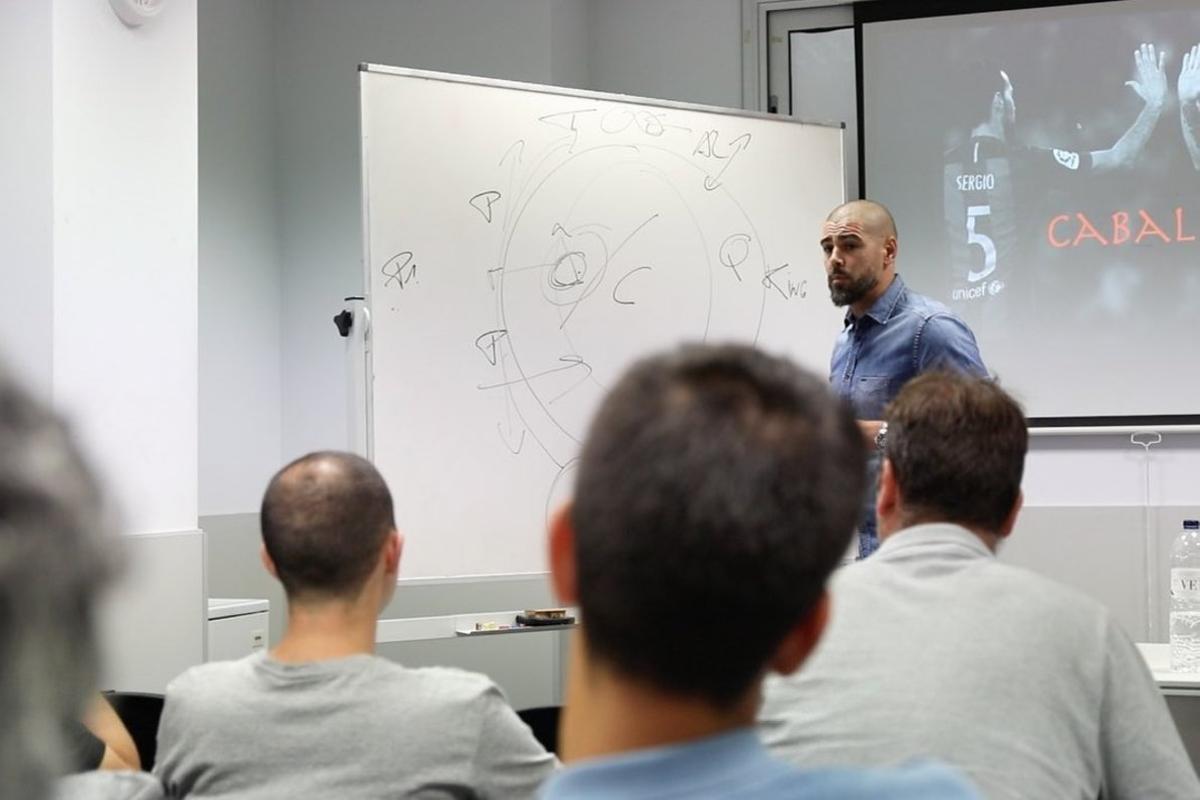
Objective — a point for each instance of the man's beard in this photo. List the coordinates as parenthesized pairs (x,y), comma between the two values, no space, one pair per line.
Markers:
(853,291)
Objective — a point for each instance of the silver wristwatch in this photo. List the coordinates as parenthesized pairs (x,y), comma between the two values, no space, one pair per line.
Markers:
(881,437)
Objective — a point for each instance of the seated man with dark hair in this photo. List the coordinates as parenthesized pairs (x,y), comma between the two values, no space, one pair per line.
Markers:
(717,489)
(321,715)
(937,649)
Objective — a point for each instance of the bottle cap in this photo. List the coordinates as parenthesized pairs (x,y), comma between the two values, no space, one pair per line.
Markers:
(1191,524)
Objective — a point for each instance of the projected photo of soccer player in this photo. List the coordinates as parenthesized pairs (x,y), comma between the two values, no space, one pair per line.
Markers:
(992,181)
(1049,189)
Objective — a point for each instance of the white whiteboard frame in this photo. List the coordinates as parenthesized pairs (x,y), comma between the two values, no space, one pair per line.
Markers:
(360,352)
(563,91)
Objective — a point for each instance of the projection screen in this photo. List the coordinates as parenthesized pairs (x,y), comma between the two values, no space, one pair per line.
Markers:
(1044,169)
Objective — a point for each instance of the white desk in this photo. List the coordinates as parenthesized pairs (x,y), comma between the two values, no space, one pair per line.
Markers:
(1158,658)
(421,629)
(1180,690)
(237,627)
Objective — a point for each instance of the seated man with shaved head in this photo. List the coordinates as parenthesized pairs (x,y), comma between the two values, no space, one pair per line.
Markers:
(890,333)
(321,715)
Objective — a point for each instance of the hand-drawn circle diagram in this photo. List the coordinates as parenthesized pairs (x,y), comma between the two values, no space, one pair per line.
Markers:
(610,252)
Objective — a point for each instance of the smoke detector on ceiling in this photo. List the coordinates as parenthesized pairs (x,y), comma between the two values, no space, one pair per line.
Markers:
(136,13)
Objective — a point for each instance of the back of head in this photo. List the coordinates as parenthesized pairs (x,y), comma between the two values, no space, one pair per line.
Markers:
(55,556)
(325,517)
(957,447)
(717,490)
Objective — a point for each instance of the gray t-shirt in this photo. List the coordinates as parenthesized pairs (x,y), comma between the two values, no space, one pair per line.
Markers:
(358,727)
(935,649)
(109,785)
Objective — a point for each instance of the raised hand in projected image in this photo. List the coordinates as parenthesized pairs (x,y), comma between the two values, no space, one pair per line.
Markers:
(1151,83)
(995,187)
(1188,89)
(1151,86)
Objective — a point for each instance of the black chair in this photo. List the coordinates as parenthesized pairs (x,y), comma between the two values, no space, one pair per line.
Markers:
(543,721)
(139,712)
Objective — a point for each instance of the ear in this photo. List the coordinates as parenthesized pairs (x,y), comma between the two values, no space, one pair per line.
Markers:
(391,554)
(1010,521)
(802,639)
(563,574)
(267,563)
(890,248)
(887,497)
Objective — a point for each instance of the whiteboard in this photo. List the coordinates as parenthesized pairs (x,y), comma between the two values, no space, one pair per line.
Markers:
(522,244)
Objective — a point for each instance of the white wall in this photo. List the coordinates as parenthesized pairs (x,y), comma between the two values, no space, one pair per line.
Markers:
(240,288)
(674,49)
(569,43)
(26,211)
(124,143)
(122,271)
(1107,470)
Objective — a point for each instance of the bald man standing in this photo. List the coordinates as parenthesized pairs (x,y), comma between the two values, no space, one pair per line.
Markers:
(890,335)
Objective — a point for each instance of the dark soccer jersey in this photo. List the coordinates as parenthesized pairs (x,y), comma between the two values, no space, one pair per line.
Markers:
(992,196)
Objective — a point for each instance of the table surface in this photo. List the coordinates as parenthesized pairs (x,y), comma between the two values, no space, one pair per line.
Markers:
(1158,658)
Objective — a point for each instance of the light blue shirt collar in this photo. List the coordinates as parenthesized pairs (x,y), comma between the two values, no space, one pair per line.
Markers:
(725,759)
(941,537)
(885,307)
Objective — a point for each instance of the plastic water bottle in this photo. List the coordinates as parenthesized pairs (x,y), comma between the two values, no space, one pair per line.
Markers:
(1185,599)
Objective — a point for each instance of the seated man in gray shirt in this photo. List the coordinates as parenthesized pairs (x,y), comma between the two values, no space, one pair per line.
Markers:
(937,649)
(717,489)
(321,715)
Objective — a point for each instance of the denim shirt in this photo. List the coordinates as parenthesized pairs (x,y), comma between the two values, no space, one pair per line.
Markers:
(902,335)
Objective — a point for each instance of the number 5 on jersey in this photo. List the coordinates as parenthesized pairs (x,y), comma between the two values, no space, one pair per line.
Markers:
(983,240)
